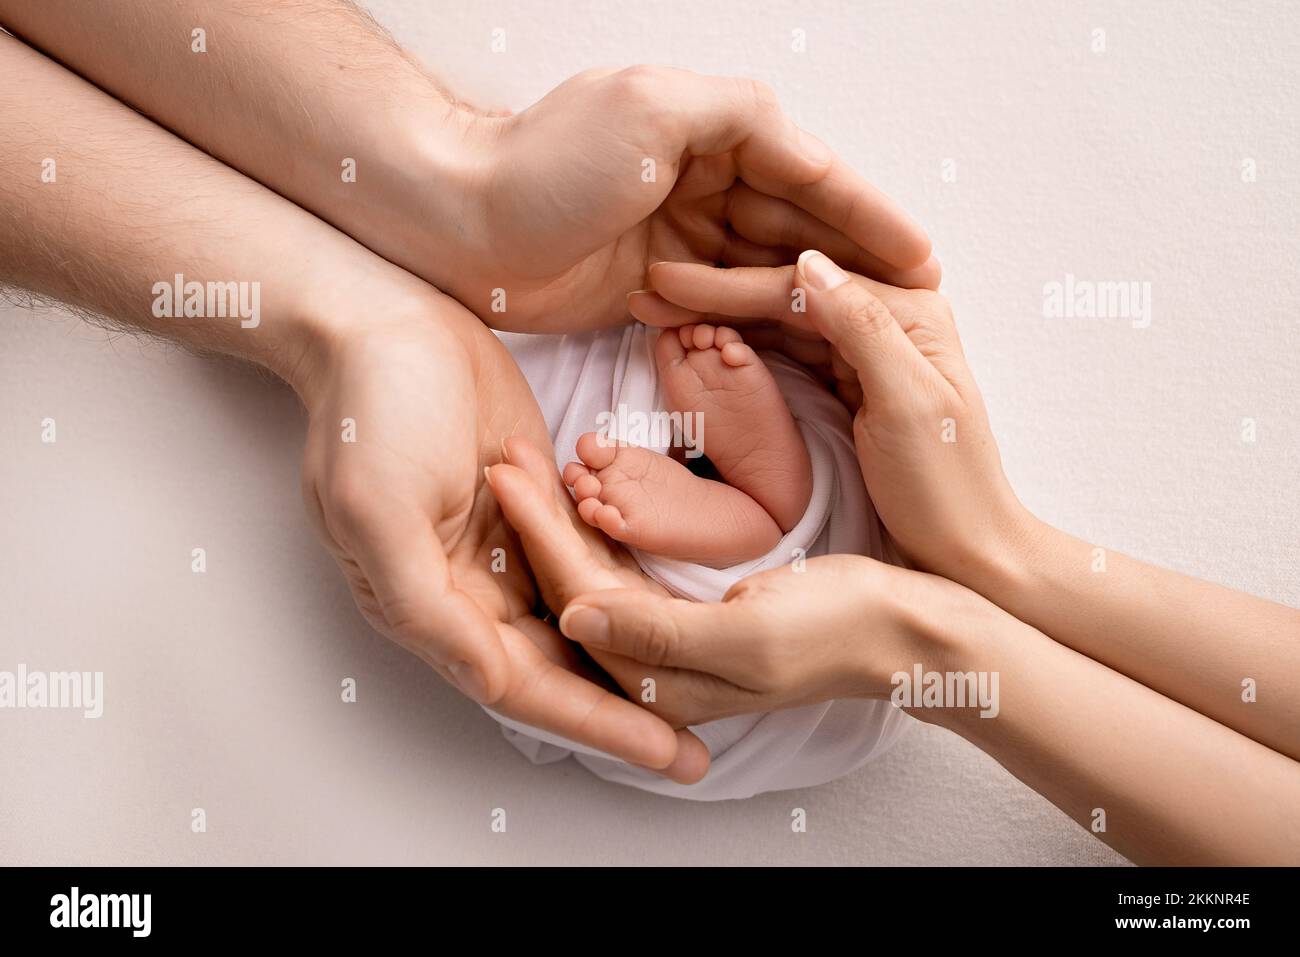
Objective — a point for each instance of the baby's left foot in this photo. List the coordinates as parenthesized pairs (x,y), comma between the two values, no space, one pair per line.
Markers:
(656,504)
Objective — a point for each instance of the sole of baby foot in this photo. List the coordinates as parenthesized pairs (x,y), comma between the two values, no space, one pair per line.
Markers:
(652,503)
(745,425)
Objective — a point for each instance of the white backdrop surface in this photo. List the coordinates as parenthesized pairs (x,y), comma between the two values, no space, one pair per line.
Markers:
(1129,164)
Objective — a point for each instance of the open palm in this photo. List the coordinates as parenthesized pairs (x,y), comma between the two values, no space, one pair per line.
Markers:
(399,436)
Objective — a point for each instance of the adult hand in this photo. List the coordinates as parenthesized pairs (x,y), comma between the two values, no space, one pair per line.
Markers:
(405,415)
(839,628)
(921,429)
(541,221)
(573,199)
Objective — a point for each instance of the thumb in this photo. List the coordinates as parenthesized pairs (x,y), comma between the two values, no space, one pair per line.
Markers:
(663,632)
(860,326)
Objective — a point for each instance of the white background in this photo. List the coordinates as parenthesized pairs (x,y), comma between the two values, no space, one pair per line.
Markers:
(223,689)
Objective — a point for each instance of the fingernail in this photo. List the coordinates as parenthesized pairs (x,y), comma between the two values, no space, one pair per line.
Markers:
(820,273)
(505,456)
(469,681)
(487,475)
(585,625)
(814,149)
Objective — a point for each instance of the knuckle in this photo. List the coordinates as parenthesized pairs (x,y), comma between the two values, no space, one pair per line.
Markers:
(869,316)
(348,498)
(761,95)
(654,641)
(931,303)
(639,85)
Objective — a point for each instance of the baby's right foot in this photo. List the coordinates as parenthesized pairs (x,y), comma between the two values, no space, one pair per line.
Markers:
(748,432)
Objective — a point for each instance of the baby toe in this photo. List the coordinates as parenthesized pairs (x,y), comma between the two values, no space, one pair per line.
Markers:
(595,451)
(704,335)
(610,521)
(574,471)
(587,486)
(737,354)
(725,336)
(587,509)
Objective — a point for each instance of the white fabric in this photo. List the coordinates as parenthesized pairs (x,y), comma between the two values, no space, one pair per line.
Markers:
(578,377)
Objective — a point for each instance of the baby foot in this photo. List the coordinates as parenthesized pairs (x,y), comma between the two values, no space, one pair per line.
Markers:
(748,432)
(653,503)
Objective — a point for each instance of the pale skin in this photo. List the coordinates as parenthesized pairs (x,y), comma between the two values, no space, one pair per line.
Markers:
(309,337)
(553,204)
(431,391)
(1185,771)
(550,208)
(655,503)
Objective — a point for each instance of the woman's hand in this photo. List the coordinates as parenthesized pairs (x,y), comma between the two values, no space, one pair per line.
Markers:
(839,626)
(933,471)
(571,200)
(921,430)
(836,627)
(406,412)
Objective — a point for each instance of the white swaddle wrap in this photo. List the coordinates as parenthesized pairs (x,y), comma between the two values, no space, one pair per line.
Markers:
(578,379)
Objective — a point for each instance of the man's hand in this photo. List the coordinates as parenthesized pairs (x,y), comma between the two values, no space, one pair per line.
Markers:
(541,221)
(407,412)
(612,171)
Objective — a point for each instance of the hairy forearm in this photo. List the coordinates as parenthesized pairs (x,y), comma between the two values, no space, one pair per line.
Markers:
(309,97)
(1168,784)
(1230,656)
(101,209)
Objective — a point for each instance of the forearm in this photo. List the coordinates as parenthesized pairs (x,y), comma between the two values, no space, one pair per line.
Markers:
(310,98)
(1175,786)
(101,209)
(1230,656)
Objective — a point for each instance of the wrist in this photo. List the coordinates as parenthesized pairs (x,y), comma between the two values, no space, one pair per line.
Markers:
(389,310)
(437,184)
(1011,566)
(913,614)
(941,628)
(354,303)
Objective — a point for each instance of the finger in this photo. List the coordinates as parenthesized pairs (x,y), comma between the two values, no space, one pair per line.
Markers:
(662,632)
(650,307)
(557,553)
(716,114)
(770,222)
(551,697)
(737,250)
(802,345)
(746,295)
(862,328)
(720,114)
(562,559)
(848,204)
(861,306)
(691,761)
(405,566)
